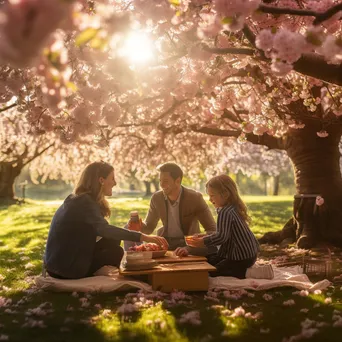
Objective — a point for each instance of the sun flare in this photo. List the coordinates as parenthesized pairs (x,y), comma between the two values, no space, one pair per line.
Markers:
(138,48)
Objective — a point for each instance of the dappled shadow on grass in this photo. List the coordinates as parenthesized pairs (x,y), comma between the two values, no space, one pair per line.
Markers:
(269,216)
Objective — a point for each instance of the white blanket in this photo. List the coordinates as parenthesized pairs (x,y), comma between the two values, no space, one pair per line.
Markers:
(108,279)
(283,276)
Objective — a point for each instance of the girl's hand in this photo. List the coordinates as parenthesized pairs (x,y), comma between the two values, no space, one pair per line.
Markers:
(195,242)
(155,239)
(181,252)
(200,235)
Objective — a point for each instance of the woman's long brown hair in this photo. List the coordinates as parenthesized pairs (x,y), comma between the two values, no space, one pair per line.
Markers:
(224,185)
(89,184)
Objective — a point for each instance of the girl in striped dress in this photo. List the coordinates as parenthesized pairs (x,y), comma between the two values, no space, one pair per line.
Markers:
(237,245)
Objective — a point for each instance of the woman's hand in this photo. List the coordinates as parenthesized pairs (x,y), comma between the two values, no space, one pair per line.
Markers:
(160,241)
(195,242)
(181,252)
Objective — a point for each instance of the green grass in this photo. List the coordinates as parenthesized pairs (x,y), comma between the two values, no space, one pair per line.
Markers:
(23,232)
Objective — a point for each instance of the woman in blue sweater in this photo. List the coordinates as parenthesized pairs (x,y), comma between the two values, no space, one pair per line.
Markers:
(71,250)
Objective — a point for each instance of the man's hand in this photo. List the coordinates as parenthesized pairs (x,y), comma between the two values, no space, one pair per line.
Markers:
(195,242)
(155,239)
(181,252)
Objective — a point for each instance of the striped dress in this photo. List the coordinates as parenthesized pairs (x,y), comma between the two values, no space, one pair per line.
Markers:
(236,240)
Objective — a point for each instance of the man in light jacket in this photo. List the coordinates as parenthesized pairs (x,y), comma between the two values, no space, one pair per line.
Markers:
(179,208)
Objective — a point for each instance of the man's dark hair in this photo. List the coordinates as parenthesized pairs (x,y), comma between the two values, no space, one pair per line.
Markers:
(172,168)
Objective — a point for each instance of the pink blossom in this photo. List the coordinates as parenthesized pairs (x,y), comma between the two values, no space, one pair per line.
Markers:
(289,302)
(29,265)
(229,8)
(32,323)
(288,46)
(209,26)
(4,337)
(322,134)
(332,50)
(265,331)
(5,302)
(239,311)
(264,40)
(281,68)
(267,297)
(247,127)
(191,317)
(20,45)
(304,293)
(304,310)
(319,201)
(328,300)
(338,323)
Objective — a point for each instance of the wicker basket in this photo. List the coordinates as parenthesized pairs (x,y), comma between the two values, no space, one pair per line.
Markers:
(318,266)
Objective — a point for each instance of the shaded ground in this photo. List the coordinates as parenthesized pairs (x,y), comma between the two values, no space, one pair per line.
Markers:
(26,315)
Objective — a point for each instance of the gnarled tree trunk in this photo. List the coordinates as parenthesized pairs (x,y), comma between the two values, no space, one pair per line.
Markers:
(8,173)
(316,163)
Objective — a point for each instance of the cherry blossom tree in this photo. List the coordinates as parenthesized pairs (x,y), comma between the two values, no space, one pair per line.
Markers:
(267,72)
(18,149)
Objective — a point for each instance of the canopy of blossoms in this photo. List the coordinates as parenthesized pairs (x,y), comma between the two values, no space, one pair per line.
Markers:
(147,69)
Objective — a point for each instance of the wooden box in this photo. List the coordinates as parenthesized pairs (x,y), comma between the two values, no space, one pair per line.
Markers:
(184,276)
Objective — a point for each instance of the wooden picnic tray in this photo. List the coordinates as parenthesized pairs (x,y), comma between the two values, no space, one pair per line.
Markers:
(189,276)
(171,258)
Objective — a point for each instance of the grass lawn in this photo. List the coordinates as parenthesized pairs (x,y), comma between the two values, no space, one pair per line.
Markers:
(30,315)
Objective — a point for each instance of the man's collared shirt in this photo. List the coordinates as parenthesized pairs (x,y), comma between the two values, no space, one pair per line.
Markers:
(174,227)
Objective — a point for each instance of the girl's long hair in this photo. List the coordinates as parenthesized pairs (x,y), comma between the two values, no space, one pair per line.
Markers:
(224,185)
(89,184)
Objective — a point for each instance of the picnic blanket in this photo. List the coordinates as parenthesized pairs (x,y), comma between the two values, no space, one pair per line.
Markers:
(108,279)
(283,276)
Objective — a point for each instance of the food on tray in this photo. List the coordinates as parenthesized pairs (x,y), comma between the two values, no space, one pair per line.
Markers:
(146,247)
(189,237)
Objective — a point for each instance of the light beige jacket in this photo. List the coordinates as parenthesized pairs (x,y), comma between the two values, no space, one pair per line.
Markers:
(192,211)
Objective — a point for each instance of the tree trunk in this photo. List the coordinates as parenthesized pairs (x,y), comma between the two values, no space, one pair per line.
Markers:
(8,174)
(148,188)
(276,180)
(155,183)
(317,172)
(265,184)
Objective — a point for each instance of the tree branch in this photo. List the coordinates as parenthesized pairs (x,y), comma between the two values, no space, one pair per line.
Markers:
(37,154)
(232,51)
(161,116)
(319,17)
(265,139)
(315,66)
(8,107)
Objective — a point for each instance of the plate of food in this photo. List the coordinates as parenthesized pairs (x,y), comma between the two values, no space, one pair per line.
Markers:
(157,251)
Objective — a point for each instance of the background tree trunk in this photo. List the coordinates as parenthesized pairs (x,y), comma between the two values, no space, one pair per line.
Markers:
(155,183)
(148,188)
(276,180)
(8,174)
(316,163)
